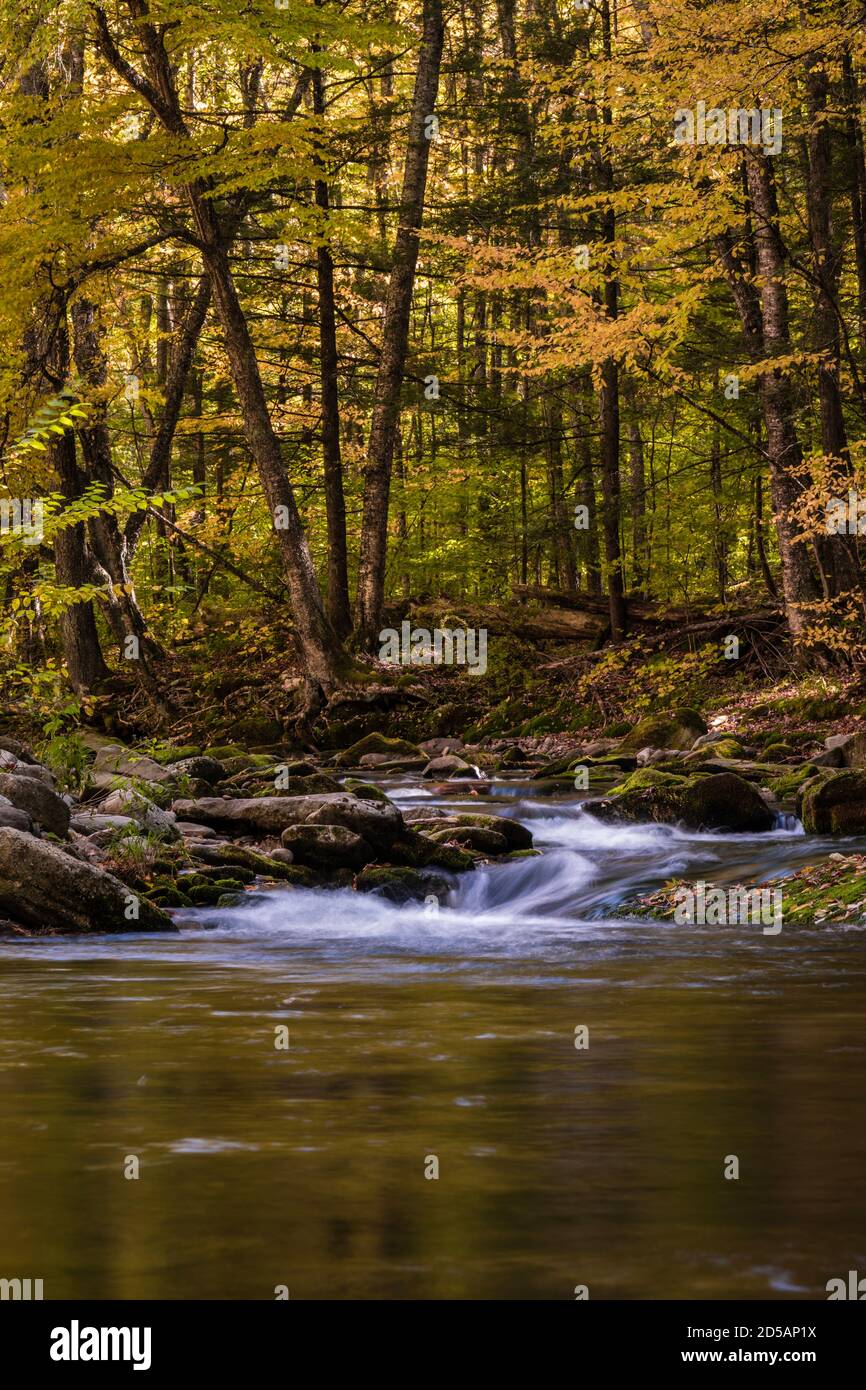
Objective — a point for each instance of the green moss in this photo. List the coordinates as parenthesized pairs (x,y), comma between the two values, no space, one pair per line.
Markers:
(647,777)
(376,743)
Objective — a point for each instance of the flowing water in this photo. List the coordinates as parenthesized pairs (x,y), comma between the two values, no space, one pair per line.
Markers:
(416,1034)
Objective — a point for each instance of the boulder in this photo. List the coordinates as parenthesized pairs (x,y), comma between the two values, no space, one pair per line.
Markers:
(90,822)
(676,729)
(435,747)
(115,761)
(851,748)
(48,890)
(12,816)
(44,807)
(429,819)
(476,837)
(401,884)
(449,765)
(722,801)
(834,803)
(128,802)
(200,768)
(375,743)
(378,822)
(327,847)
(9,763)
(16,748)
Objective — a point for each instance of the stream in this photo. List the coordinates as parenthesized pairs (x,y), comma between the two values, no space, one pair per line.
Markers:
(416,1032)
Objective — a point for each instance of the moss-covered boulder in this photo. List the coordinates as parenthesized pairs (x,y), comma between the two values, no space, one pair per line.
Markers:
(377,743)
(720,748)
(722,801)
(327,847)
(401,884)
(834,803)
(647,777)
(674,729)
(476,837)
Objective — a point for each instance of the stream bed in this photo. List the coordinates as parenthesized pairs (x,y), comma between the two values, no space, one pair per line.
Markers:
(416,1033)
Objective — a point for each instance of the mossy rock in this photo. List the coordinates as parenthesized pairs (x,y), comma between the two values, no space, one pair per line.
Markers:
(231,900)
(365,790)
(168,753)
(834,803)
(226,750)
(417,851)
(787,786)
(314,785)
(169,897)
(778,752)
(721,801)
(257,728)
(647,777)
(724,748)
(675,729)
(400,883)
(376,743)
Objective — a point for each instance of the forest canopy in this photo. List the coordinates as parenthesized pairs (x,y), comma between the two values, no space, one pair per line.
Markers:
(311,309)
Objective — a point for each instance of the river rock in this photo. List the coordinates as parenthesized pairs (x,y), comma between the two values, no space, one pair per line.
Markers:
(327,847)
(722,801)
(128,802)
(475,837)
(17,749)
(13,816)
(377,822)
(48,890)
(200,768)
(115,761)
(834,803)
(436,747)
(676,728)
(91,822)
(449,765)
(376,743)
(851,747)
(44,807)
(401,884)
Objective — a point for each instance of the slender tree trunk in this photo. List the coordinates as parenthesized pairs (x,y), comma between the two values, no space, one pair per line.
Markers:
(318,644)
(609,395)
(339,609)
(395,331)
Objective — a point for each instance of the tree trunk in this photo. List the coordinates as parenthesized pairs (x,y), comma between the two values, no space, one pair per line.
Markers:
(395,332)
(339,609)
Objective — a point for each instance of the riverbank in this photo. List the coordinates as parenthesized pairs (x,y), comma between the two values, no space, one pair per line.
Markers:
(149,832)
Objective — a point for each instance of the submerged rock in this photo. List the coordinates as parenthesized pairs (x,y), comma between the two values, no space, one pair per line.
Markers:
(49,890)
